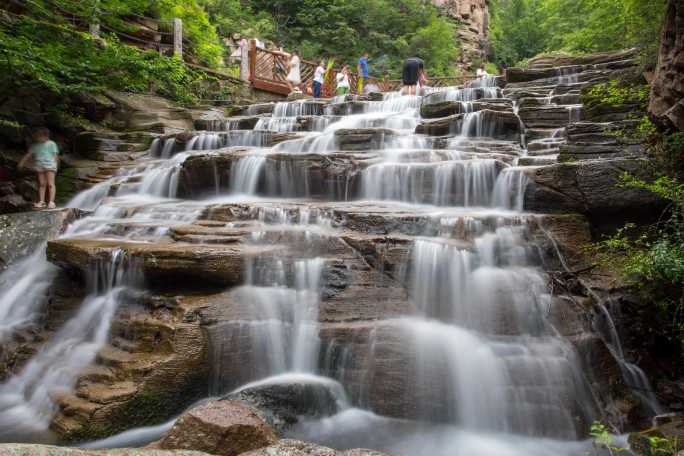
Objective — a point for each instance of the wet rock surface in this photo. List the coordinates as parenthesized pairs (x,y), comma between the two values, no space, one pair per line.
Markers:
(284,404)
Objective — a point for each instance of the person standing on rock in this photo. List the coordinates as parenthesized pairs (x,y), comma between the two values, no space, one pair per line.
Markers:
(45,155)
(319,78)
(362,72)
(412,73)
(294,77)
(343,81)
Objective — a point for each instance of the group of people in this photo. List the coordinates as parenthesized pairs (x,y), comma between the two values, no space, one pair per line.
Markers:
(414,76)
(323,74)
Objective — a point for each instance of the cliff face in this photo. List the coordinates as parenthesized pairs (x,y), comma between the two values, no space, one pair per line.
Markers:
(667,104)
(474,31)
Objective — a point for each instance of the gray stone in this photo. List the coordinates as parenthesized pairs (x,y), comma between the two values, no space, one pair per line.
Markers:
(591,187)
(284,404)
(20,449)
(22,233)
(289,447)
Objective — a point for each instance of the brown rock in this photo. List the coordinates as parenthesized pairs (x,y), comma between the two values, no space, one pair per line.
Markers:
(226,428)
(667,103)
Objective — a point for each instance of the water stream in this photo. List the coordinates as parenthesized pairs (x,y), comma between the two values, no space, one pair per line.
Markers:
(471,365)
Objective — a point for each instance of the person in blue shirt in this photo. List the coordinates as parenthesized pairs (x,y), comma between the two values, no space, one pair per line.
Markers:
(45,156)
(362,72)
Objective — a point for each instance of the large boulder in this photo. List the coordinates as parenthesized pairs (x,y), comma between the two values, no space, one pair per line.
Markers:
(21,449)
(667,102)
(226,428)
(283,402)
(289,447)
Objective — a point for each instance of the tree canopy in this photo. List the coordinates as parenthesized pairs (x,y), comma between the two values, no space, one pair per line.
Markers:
(389,30)
(521,29)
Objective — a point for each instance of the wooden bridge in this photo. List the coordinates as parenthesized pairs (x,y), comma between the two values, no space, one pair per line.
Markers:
(267,70)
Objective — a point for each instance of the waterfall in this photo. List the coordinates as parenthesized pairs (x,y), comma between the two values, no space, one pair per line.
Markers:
(468,183)
(509,191)
(23,288)
(162,179)
(396,269)
(279,330)
(245,174)
(27,400)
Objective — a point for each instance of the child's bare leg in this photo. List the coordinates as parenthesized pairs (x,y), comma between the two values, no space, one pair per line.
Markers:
(51,188)
(42,184)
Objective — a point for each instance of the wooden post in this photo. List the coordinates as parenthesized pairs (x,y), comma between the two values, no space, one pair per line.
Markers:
(244,60)
(178,38)
(252,60)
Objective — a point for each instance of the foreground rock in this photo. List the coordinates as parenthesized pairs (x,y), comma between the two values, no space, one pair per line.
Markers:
(298,448)
(226,428)
(19,449)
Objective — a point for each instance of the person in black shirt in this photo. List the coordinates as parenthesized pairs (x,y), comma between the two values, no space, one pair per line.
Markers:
(412,73)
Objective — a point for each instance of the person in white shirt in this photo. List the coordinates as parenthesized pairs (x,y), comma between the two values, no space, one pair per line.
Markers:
(294,77)
(481,71)
(343,81)
(319,77)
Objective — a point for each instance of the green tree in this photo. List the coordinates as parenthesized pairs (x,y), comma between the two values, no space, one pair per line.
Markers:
(521,29)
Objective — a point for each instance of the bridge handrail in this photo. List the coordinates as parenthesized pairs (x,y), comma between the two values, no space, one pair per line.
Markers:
(268,71)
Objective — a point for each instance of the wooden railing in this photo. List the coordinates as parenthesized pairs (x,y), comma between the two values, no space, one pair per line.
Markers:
(268,71)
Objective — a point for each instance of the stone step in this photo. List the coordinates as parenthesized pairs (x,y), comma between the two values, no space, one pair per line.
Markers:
(106,393)
(162,264)
(538,160)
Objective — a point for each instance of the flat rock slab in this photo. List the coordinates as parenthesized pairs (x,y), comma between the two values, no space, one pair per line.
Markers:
(162,264)
(20,449)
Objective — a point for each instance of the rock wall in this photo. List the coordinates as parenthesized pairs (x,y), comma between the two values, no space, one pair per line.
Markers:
(667,104)
(473,35)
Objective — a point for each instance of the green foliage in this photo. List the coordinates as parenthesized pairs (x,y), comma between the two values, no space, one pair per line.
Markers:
(515,30)
(662,447)
(524,28)
(40,55)
(199,34)
(235,16)
(617,93)
(602,439)
(491,68)
(389,30)
(652,257)
(197,30)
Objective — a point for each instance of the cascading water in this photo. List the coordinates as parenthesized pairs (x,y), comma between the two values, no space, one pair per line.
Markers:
(468,351)
(27,400)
